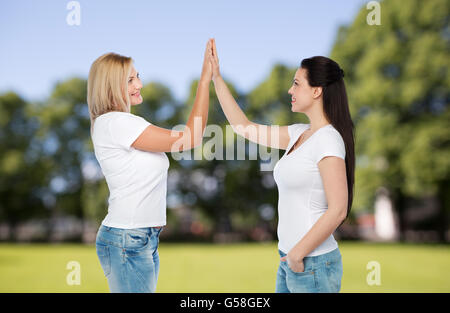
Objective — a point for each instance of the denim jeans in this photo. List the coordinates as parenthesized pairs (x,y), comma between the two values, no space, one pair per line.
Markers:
(129,258)
(323,273)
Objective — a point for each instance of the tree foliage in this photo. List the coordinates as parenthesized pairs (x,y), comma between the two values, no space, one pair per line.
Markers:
(398,81)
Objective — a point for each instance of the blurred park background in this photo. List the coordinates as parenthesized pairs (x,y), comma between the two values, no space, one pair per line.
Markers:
(223,213)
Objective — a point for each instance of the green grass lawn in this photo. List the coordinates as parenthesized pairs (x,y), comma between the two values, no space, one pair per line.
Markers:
(224,268)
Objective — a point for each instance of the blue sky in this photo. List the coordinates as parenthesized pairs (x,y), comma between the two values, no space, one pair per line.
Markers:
(165,38)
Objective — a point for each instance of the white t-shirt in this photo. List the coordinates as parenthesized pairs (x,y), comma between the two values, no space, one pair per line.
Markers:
(302,199)
(137,180)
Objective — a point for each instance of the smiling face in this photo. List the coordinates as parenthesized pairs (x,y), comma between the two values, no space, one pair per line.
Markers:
(302,94)
(134,87)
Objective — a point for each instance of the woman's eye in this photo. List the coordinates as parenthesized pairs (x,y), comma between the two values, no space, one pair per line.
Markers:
(130,80)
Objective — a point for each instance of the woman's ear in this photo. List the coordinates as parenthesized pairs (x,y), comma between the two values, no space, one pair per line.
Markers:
(317,92)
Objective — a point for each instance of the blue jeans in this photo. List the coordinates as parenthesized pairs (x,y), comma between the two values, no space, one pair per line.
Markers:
(129,258)
(323,273)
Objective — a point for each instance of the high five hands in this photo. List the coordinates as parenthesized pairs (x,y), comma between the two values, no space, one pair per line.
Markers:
(214,60)
(206,74)
(210,69)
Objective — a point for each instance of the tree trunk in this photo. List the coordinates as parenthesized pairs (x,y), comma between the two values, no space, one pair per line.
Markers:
(399,201)
(444,206)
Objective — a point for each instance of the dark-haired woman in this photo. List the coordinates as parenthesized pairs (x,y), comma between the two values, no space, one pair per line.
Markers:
(315,176)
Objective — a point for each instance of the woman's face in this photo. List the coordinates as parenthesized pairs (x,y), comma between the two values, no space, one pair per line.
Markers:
(301,92)
(134,87)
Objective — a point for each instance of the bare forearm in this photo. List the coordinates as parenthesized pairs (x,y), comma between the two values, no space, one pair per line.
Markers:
(232,111)
(320,231)
(199,114)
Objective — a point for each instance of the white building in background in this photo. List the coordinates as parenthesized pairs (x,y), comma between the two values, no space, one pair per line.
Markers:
(386,226)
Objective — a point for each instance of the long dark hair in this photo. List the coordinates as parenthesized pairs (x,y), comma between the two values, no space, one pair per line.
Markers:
(326,73)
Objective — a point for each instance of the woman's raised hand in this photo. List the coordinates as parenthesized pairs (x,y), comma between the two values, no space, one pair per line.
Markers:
(214,61)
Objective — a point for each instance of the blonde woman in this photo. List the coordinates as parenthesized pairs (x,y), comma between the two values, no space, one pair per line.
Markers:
(315,176)
(131,154)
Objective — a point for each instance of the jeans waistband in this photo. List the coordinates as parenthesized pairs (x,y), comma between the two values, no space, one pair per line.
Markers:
(332,255)
(121,231)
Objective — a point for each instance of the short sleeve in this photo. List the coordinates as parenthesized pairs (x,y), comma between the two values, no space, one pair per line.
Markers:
(296,128)
(125,128)
(329,143)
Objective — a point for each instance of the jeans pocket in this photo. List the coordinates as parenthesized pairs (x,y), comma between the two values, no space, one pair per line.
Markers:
(299,282)
(104,258)
(136,242)
(306,271)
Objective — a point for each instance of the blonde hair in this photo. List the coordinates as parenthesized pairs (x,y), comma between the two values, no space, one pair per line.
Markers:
(107,85)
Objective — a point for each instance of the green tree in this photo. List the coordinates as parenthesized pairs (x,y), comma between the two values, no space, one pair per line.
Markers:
(397,75)
(159,106)
(22,170)
(269,102)
(64,129)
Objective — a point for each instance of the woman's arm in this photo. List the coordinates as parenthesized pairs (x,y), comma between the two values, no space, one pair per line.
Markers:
(272,136)
(157,139)
(334,178)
